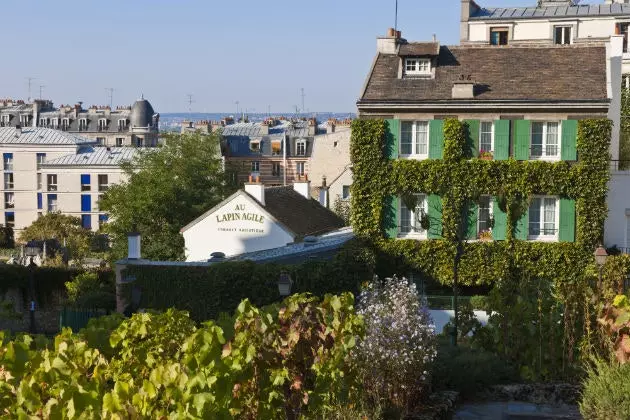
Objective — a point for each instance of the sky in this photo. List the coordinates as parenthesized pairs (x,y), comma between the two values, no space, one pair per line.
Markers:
(259,53)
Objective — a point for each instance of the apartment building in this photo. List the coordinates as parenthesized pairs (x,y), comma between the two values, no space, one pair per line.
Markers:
(46,170)
(136,125)
(521,102)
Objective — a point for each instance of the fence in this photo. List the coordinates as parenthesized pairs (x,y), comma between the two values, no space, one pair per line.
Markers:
(446,302)
(619,165)
(78,318)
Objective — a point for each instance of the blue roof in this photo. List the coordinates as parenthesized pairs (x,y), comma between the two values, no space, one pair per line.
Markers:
(510,13)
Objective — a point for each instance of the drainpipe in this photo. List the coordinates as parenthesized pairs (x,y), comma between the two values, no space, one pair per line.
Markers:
(284,158)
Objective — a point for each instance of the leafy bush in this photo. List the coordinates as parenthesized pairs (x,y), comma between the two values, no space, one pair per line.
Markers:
(6,237)
(92,290)
(606,391)
(469,370)
(479,303)
(396,354)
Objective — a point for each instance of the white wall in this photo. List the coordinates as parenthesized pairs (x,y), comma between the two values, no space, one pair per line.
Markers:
(615,229)
(330,158)
(215,233)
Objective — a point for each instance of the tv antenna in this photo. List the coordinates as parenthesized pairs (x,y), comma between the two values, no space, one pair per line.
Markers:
(190,101)
(30,79)
(110,96)
(303,96)
(41,89)
(396,18)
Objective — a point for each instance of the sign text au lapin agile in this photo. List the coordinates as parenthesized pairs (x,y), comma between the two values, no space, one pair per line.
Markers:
(240,214)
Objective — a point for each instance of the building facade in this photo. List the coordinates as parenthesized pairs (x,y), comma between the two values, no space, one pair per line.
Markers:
(46,170)
(137,125)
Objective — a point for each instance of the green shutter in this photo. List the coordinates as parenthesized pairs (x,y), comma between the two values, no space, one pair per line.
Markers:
(569,140)
(522,227)
(390,216)
(472,140)
(522,132)
(567,220)
(436,139)
(472,214)
(435,216)
(501,139)
(500,222)
(392,139)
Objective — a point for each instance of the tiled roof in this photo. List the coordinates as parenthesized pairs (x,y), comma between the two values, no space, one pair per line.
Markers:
(510,13)
(238,137)
(419,48)
(32,135)
(562,73)
(301,215)
(98,156)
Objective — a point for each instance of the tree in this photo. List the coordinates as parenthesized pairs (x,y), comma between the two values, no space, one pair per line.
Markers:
(65,229)
(166,188)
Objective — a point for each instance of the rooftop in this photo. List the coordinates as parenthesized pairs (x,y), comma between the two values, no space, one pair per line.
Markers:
(511,73)
(510,13)
(99,156)
(32,135)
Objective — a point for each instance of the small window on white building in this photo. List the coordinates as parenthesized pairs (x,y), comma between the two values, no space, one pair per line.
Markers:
(7,161)
(276,148)
(255,166)
(562,35)
(122,124)
(300,148)
(102,124)
(545,140)
(119,141)
(103,182)
(486,136)
(417,66)
(499,36)
(411,219)
(543,218)
(51,181)
(82,124)
(52,202)
(9,200)
(414,139)
(24,120)
(65,123)
(8,180)
(254,146)
(484,218)
(345,192)
(100,141)
(54,123)
(4,120)
(299,168)
(43,122)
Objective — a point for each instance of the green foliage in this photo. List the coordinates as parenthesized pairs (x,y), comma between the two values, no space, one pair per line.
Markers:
(48,280)
(624,137)
(341,208)
(92,290)
(207,291)
(63,228)
(281,364)
(615,320)
(166,189)
(6,237)
(606,390)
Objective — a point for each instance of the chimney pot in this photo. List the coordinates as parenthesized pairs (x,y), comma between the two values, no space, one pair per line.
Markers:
(134,241)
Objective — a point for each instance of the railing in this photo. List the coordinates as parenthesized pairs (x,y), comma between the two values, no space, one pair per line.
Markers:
(79,318)
(446,302)
(619,165)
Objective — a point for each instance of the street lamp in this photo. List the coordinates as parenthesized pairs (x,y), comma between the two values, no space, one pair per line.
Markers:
(600,259)
(31,252)
(284,284)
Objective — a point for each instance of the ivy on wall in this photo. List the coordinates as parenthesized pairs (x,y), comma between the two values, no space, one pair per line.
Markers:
(460,180)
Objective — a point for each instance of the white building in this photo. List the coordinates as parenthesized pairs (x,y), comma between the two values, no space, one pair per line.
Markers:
(258,218)
(49,170)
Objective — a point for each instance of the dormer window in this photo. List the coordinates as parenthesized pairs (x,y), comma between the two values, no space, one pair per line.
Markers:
(499,36)
(43,122)
(300,148)
(83,124)
(276,148)
(4,120)
(417,66)
(65,123)
(54,122)
(254,146)
(102,124)
(24,120)
(122,124)
(562,35)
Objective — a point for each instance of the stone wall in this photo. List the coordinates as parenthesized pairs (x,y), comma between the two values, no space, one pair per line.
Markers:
(15,315)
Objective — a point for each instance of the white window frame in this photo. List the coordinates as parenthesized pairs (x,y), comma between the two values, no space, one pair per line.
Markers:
(416,66)
(102,186)
(416,232)
(65,123)
(555,39)
(5,119)
(343,196)
(54,207)
(122,123)
(257,148)
(543,237)
(102,123)
(82,124)
(414,140)
(43,122)
(490,213)
(100,141)
(545,132)
(9,181)
(300,148)
(255,167)
(52,182)
(7,164)
(24,120)
(54,122)
(9,200)
(300,168)
(481,123)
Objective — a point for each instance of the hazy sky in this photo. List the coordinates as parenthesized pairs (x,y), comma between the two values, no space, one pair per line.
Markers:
(259,53)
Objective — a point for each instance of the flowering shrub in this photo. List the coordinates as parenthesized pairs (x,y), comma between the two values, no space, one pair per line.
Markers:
(399,345)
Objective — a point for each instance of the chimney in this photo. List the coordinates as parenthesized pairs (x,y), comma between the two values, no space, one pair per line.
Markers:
(330,127)
(303,187)
(312,126)
(464,90)
(264,128)
(389,44)
(18,130)
(134,243)
(36,108)
(468,7)
(323,193)
(255,189)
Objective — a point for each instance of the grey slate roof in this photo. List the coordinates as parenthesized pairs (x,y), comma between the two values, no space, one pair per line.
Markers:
(510,13)
(31,135)
(238,137)
(98,156)
(530,74)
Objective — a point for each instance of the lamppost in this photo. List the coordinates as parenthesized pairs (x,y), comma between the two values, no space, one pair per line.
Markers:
(600,259)
(31,252)
(284,284)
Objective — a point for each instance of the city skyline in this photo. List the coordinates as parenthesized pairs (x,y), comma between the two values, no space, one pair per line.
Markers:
(214,52)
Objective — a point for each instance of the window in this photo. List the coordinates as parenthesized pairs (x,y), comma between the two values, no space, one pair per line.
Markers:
(410,219)
(414,138)
(622,29)
(102,219)
(139,142)
(345,192)
(24,120)
(40,201)
(85,182)
(9,219)
(499,36)
(39,181)
(545,140)
(43,122)
(51,181)
(8,180)
(4,120)
(41,158)
(562,35)
(100,141)
(275,168)
(254,146)
(65,123)
(54,122)
(86,202)
(103,183)
(276,148)
(86,221)
(82,124)
(122,124)
(543,218)
(7,161)
(255,166)
(300,148)
(417,66)
(484,219)
(299,168)
(486,136)
(119,141)
(102,124)
(52,202)
(9,200)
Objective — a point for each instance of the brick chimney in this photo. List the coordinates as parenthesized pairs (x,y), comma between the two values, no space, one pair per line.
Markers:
(264,128)
(331,126)
(389,43)
(312,126)
(255,189)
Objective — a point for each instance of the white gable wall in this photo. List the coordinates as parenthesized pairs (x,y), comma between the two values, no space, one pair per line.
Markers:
(239,225)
